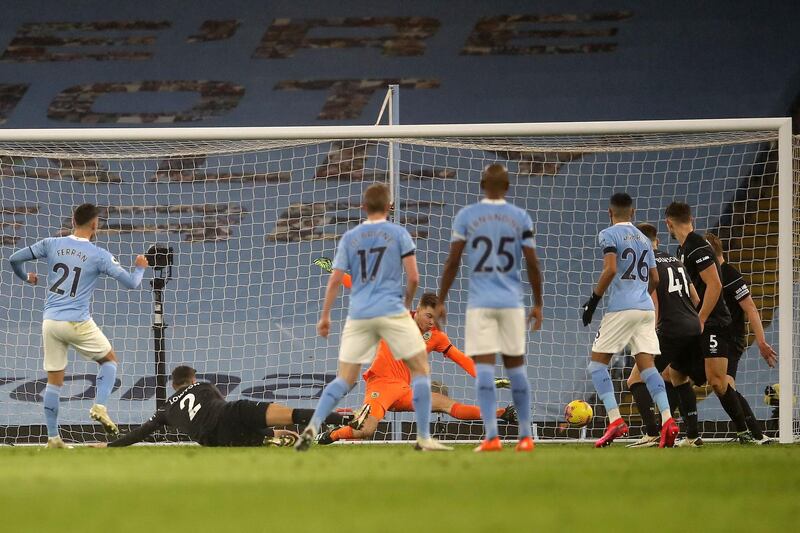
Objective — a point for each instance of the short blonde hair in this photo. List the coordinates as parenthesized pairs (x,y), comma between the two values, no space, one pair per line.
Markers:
(377,198)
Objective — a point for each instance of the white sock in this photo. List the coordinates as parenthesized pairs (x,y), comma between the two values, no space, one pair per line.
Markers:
(613,415)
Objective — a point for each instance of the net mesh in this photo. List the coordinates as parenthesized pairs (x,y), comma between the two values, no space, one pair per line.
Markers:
(247,219)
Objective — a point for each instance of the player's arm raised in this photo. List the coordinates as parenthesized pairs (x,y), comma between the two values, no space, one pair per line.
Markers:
(710,277)
(331,292)
(128,280)
(535,279)
(449,275)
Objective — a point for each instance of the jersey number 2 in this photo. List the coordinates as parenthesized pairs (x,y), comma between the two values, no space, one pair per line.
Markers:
(192,409)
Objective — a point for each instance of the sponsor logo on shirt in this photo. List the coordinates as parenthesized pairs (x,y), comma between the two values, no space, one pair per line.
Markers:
(704,258)
(427,336)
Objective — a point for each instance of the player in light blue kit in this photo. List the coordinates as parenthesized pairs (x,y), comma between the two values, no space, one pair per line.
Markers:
(496,236)
(375,253)
(74,264)
(630,275)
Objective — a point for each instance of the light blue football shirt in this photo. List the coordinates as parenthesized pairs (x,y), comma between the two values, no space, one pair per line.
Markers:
(73,265)
(635,258)
(373,253)
(495,232)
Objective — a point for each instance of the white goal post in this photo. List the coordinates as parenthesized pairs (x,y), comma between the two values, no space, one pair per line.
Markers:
(249,209)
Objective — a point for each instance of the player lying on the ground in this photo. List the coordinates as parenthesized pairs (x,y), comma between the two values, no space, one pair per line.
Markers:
(389,381)
(630,276)
(74,263)
(200,411)
(678,329)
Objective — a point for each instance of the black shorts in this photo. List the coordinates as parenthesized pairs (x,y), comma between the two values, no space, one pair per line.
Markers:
(733,359)
(715,342)
(242,423)
(680,352)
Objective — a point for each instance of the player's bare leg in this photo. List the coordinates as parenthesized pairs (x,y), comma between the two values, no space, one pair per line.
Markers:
(420,380)
(346,378)
(104,384)
(55,380)
(657,389)
(279,415)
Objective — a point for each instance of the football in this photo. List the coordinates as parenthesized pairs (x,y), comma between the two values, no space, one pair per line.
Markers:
(578,413)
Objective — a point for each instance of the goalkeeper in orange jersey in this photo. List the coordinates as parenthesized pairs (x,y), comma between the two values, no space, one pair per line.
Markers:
(389,380)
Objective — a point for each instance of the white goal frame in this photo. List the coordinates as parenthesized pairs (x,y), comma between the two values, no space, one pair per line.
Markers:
(782,127)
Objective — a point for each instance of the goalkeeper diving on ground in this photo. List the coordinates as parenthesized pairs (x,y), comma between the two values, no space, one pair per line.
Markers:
(388,381)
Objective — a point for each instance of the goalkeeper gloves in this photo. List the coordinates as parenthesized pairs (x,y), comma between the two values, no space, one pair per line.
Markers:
(324,263)
(502,383)
(589,308)
(772,394)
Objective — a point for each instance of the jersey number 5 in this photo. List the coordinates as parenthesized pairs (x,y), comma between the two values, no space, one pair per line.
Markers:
(192,409)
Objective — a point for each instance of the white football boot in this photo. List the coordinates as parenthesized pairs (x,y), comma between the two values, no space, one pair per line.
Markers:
(99,413)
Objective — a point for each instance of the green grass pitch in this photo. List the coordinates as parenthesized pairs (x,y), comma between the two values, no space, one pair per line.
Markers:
(393,488)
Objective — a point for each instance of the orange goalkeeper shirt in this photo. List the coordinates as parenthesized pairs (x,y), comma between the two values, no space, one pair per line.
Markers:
(436,340)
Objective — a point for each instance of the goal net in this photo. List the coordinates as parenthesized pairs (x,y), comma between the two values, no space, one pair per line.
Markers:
(247,218)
